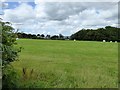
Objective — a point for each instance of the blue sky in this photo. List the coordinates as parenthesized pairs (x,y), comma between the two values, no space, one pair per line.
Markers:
(12,5)
(40,17)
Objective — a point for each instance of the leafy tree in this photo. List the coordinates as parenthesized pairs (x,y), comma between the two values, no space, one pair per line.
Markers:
(42,36)
(34,36)
(38,35)
(61,36)
(47,36)
(55,37)
(108,33)
(9,45)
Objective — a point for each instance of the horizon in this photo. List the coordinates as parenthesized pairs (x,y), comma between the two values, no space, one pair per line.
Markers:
(61,33)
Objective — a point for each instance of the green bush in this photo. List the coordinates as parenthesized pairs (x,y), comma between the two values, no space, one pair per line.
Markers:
(9,45)
(11,79)
(9,54)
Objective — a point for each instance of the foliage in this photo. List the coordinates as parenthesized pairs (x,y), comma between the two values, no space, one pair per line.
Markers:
(10,50)
(11,79)
(42,36)
(108,33)
(30,36)
(9,46)
(55,37)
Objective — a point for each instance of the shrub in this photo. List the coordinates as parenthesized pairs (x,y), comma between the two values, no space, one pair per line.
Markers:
(11,79)
(10,51)
(9,54)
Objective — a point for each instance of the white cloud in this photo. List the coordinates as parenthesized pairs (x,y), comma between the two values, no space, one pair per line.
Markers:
(2,0)
(65,18)
(39,10)
(20,14)
(38,1)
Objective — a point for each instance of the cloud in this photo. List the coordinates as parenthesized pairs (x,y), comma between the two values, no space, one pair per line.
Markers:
(62,17)
(39,1)
(20,14)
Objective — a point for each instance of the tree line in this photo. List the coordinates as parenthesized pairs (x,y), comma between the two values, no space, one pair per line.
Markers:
(108,33)
(42,36)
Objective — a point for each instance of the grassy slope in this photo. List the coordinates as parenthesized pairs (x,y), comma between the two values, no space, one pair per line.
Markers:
(70,64)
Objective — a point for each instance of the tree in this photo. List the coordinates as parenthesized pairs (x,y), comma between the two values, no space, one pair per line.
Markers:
(38,35)
(55,37)
(108,33)
(61,36)
(47,36)
(10,52)
(42,36)
(34,36)
(9,45)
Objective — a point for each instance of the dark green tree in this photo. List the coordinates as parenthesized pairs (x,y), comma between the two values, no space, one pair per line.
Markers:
(9,45)
(108,33)
(42,35)
(61,36)
(10,50)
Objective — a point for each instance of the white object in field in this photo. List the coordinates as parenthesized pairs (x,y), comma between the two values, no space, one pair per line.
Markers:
(110,41)
(17,38)
(104,41)
(115,41)
(74,40)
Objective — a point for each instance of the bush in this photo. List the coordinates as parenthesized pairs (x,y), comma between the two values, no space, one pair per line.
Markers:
(10,51)
(9,54)
(11,79)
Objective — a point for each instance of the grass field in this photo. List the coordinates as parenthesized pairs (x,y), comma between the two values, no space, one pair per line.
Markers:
(69,64)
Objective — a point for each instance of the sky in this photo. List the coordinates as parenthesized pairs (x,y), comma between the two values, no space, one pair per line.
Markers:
(44,17)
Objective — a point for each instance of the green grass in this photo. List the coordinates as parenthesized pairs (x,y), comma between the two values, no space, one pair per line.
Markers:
(69,64)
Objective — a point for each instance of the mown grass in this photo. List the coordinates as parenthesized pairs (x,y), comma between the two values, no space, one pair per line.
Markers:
(69,64)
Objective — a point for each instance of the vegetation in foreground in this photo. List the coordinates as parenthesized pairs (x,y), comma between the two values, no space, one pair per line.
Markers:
(67,64)
(10,51)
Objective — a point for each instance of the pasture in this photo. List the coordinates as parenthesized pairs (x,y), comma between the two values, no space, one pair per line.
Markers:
(68,64)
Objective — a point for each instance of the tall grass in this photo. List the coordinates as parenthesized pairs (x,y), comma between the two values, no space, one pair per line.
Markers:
(68,64)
